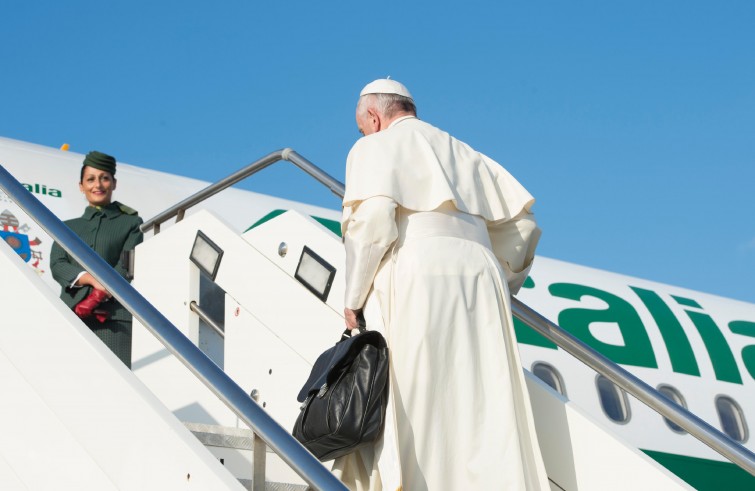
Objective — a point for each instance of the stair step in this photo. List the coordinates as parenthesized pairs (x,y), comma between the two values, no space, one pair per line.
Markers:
(240,439)
(222,436)
(274,486)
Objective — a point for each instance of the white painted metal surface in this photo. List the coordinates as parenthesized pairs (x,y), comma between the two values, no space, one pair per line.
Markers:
(74,417)
(275,329)
(583,454)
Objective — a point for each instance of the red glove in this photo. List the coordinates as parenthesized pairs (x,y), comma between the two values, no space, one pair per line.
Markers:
(86,307)
(100,315)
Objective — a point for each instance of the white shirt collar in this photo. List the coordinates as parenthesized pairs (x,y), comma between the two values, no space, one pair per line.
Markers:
(402,118)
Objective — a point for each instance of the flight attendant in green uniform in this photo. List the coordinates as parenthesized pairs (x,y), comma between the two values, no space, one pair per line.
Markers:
(110,228)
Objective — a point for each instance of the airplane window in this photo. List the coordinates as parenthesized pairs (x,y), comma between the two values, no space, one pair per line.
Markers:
(550,376)
(674,395)
(613,400)
(732,418)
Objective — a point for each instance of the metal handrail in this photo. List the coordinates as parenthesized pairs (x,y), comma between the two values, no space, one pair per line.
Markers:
(695,426)
(278,438)
(205,317)
(646,394)
(288,154)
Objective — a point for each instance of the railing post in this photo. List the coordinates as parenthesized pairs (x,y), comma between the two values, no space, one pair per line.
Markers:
(259,455)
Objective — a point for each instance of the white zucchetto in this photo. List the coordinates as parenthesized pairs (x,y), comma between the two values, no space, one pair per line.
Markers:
(385,86)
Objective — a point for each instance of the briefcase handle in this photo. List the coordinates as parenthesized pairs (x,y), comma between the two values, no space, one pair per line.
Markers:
(361,325)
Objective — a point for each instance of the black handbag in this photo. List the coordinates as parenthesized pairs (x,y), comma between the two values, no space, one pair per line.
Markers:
(345,396)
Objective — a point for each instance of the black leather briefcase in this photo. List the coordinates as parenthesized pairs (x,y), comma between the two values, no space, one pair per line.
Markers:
(345,396)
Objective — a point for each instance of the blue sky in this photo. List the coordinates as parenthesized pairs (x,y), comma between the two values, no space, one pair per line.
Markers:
(633,123)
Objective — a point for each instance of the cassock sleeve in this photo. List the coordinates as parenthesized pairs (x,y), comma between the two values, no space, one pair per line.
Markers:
(369,229)
(514,242)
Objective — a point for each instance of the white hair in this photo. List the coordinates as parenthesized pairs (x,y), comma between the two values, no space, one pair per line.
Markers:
(386,104)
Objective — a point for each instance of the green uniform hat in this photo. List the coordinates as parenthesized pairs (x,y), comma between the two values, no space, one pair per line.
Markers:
(100,161)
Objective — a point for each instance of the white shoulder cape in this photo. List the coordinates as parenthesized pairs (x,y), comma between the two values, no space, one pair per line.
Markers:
(420,167)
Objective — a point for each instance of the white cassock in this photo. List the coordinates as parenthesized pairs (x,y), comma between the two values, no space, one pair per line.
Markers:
(436,237)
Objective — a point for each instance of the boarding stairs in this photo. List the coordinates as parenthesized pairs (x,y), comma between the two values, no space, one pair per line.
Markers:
(221,356)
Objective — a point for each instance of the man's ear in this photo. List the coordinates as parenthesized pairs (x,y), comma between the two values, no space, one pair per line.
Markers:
(374,118)
(115,183)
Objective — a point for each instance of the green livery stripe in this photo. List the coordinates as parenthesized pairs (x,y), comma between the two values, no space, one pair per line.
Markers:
(704,474)
(266,218)
(332,225)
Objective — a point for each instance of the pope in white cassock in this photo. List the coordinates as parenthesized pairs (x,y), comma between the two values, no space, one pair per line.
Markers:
(437,237)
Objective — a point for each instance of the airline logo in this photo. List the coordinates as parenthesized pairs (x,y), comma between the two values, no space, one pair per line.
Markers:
(42,189)
(17,236)
(636,348)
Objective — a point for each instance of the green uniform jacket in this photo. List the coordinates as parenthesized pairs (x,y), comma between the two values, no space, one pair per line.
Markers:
(110,230)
